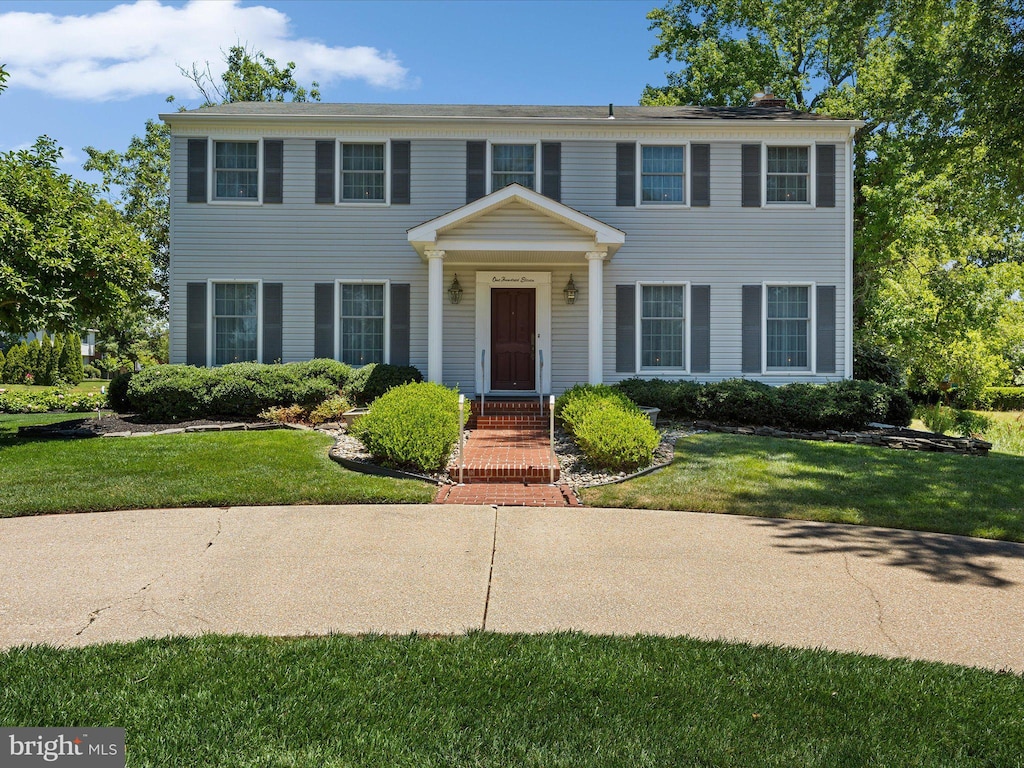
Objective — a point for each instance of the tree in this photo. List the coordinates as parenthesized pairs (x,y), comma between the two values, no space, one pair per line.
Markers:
(934,208)
(3,78)
(67,259)
(250,76)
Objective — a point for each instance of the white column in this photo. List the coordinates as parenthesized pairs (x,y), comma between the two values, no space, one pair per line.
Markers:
(435,314)
(595,313)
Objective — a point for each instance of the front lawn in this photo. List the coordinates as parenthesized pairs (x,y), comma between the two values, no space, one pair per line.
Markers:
(85,387)
(211,469)
(9,422)
(833,482)
(512,700)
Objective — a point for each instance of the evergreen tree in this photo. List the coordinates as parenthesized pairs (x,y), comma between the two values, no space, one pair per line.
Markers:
(44,363)
(2,360)
(14,368)
(54,370)
(32,360)
(72,369)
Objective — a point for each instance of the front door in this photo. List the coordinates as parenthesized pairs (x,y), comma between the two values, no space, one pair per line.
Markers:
(513,333)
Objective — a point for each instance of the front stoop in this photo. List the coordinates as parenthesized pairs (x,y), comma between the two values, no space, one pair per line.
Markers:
(508,460)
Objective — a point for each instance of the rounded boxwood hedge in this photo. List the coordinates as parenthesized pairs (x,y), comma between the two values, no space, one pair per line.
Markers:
(413,425)
(609,428)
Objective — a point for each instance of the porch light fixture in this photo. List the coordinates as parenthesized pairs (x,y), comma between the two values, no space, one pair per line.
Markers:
(455,291)
(570,291)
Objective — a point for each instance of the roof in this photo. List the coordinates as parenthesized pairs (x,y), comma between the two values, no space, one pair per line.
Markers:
(628,114)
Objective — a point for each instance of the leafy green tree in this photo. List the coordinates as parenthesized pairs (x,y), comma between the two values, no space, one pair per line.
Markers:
(936,213)
(3,78)
(250,76)
(66,258)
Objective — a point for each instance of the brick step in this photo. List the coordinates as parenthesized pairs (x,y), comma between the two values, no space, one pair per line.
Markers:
(508,495)
(507,407)
(500,421)
(505,473)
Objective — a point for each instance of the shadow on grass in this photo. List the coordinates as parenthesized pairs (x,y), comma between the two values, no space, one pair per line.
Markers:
(944,558)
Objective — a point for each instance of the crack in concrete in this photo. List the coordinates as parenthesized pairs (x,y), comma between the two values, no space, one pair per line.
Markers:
(216,536)
(93,615)
(878,603)
(490,573)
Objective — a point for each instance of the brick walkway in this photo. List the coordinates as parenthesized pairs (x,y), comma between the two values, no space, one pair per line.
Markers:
(508,460)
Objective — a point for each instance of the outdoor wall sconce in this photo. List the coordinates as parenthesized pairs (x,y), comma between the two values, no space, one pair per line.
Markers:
(455,291)
(570,291)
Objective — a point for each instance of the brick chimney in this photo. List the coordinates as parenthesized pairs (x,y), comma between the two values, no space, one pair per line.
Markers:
(766,98)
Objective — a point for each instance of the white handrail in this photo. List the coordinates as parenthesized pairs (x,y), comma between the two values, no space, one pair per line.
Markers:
(462,437)
(554,457)
(540,355)
(483,356)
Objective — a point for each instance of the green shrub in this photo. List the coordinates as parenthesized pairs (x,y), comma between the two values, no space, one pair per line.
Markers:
(172,392)
(872,363)
(676,399)
(412,425)
(16,365)
(91,372)
(616,438)
(739,401)
(117,392)
(1001,399)
(1,364)
(334,371)
(331,409)
(366,384)
(946,420)
(575,397)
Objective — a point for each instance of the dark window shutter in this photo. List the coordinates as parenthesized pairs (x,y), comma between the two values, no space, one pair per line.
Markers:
(400,324)
(325,172)
(625,174)
(826,330)
(700,174)
(273,316)
(551,170)
(476,170)
(625,328)
(750,193)
(195,323)
(825,176)
(700,328)
(323,320)
(751,322)
(273,171)
(197,171)
(401,152)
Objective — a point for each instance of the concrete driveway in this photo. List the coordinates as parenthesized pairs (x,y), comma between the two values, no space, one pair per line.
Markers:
(78,579)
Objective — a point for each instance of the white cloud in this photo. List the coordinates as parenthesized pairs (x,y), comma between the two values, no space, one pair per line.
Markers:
(134,50)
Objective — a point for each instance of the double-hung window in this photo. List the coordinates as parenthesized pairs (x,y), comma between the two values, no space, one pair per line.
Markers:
(363,173)
(663,326)
(235,322)
(236,173)
(788,327)
(362,323)
(788,174)
(513,164)
(662,174)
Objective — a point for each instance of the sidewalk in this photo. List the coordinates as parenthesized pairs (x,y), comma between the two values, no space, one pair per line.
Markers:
(79,579)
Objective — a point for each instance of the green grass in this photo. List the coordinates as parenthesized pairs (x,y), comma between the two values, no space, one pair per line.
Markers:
(89,385)
(832,482)
(9,422)
(510,700)
(219,469)
(1006,432)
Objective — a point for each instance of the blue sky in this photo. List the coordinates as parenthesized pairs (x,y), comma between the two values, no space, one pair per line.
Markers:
(91,73)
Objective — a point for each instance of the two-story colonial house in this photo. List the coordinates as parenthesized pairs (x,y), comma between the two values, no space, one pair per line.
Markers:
(515,249)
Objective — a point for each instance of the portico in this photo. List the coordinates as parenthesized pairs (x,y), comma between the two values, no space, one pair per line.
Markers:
(508,243)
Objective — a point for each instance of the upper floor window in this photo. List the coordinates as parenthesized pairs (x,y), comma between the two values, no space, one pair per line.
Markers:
(363,173)
(236,170)
(235,322)
(662,326)
(513,164)
(662,174)
(788,175)
(788,326)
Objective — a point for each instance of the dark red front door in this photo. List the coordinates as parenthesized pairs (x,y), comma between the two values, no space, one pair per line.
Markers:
(513,318)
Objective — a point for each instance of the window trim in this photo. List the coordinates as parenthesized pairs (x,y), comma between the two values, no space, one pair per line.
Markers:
(639,334)
(687,174)
(211,171)
(812,328)
(339,181)
(387,312)
(211,319)
(811,175)
(536,162)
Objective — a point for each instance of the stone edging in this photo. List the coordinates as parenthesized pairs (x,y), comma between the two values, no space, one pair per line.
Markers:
(367,468)
(898,438)
(641,473)
(64,434)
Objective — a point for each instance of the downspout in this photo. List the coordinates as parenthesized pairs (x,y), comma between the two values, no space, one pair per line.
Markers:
(848,364)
